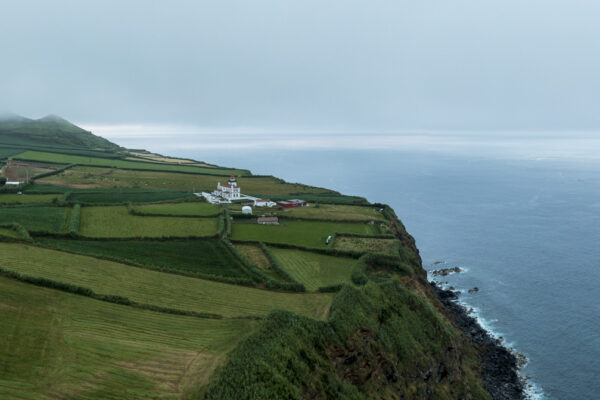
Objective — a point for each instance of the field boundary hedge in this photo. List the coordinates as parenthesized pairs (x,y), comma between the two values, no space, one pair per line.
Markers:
(19,229)
(152,267)
(87,292)
(75,220)
(50,173)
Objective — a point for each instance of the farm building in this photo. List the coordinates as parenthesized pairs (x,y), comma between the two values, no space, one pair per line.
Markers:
(268,220)
(229,190)
(292,203)
(264,203)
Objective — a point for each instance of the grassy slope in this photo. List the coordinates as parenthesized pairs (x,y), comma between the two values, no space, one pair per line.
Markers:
(118,223)
(194,256)
(58,345)
(51,219)
(314,270)
(335,211)
(199,209)
(379,342)
(384,246)
(52,131)
(86,176)
(302,233)
(27,198)
(104,162)
(156,288)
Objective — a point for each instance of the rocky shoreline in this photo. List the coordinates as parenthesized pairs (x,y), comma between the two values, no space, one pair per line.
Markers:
(499,367)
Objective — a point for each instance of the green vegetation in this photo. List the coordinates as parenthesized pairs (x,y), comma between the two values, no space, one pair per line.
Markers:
(156,288)
(301,233)
(37,219)
(9,233)
(59,345)
(50,131)
(116,222)
(334,212)
(120,196)
(203,257)
(313,270)
(28,198)
(190,209)
(98,177)
(349,243)
(116,163)
(380,338)
(7,152)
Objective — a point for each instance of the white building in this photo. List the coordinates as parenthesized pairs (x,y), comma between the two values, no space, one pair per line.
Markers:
(229,190)
(246,210)
(264,203)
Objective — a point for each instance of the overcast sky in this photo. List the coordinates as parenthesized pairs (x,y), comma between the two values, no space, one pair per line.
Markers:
(305,65)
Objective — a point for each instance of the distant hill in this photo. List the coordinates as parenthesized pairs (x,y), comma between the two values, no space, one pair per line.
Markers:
(50,130)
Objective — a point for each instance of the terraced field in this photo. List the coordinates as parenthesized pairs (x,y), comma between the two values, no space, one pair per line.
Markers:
(157,288)
(96,177)
(57,345)
(195,208)
(302,233)
(49,219)
(209,257)
(28,198)
(314,270)
(118,163)
(115,221)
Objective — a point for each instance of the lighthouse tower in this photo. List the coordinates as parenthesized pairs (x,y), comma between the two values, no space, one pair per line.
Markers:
(229,190)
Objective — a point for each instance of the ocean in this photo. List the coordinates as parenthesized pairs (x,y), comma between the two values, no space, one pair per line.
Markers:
(524,229)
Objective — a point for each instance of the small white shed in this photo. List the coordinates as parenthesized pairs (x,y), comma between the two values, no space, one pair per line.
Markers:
(246,210)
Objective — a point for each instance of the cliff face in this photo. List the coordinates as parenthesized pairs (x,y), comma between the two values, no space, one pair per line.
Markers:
(390,338)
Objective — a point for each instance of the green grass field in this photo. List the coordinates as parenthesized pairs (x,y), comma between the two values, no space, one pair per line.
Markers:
(37,219)
(27,198)
(116,163)
(195,208)
(96,177)
(301,233)
(193,256)
(372,245)
(115,221)
(100,196)
(314,270)
(57,345)
(333,211)
(157,288)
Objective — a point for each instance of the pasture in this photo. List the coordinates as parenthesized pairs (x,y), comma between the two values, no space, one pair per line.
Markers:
(57,345)
(115,221)
(10,233)
(371,245)
(28,198)
(301,233)
(157,288)
(334,212)
(314,270)
(96,177)
(193,208)
(119,163)
(191,256)
(115,196)
(37,219)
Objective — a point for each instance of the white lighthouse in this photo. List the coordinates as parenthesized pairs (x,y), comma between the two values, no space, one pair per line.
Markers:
(229,190)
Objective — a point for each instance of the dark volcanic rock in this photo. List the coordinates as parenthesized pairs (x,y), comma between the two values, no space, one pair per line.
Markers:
(474,290)
(446,271)
(499,367)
